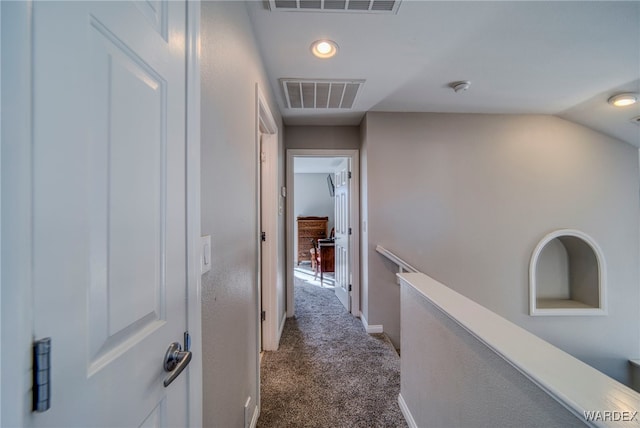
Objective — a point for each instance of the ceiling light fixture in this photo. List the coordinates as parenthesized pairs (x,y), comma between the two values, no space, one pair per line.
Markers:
(623,100)
(324,48)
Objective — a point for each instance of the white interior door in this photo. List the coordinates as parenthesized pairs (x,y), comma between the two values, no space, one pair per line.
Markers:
(109,209)
(269,211)
(342,236)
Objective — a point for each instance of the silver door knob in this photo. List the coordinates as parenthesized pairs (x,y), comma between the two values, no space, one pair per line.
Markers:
(175,360)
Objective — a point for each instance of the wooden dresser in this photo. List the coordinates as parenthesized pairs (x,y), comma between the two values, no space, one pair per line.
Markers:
(310,228)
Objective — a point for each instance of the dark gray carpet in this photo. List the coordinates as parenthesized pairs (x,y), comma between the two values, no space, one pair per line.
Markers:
(328,371)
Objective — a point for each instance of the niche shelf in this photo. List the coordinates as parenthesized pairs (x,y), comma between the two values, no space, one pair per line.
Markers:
(567,275)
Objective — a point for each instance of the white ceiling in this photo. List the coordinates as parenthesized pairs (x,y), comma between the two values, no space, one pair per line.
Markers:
(560,58)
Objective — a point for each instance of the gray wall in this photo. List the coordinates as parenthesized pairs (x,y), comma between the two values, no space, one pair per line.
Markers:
(449,378)
(231,67)
(322,137)
(311,198)
(466,198)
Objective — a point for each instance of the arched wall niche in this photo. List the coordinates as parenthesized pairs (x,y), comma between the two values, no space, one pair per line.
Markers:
(567,275)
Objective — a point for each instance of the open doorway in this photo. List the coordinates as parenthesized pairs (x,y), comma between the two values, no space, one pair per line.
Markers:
(322,223)
(314,211)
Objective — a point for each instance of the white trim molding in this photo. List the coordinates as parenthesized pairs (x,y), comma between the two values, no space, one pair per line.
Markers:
(568,306)
(284,320)
(406,412)
(267,338)
(16,168)
(354,192)
(267,146)
(194,284)
(254,418)
(370,328)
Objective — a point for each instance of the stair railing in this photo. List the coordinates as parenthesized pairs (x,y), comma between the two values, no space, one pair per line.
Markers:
(402,265)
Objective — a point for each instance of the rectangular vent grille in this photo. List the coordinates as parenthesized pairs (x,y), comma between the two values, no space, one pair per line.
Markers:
(320,94)
(353,6)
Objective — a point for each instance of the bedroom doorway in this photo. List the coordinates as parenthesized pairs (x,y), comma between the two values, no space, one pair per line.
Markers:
(322,220)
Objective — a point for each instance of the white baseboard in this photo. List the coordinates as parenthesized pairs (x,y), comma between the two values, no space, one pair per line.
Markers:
(253,422)
(370,328)
(254,419)
(406,413)
(281,329)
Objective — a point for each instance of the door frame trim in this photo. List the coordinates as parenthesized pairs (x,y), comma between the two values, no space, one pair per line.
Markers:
(194,278)
(17,210)
(354,192)
(264,120)
(269,256)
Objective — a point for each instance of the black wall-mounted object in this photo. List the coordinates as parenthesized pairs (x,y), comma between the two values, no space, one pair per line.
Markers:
(332,188)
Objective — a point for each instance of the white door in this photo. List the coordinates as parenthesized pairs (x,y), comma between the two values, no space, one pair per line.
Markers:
(269,212)
(342,235)
(109,209)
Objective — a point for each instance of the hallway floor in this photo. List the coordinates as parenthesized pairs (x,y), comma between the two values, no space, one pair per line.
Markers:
(328,371)
(305,273)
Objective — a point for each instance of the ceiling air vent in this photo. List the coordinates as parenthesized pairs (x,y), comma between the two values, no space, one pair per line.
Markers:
(320,94)
(353,6)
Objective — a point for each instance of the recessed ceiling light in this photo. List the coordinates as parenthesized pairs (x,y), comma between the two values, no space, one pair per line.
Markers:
(623,100)
(324,48)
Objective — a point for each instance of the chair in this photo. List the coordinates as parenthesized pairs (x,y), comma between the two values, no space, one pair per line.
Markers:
(314,254)
(316,262)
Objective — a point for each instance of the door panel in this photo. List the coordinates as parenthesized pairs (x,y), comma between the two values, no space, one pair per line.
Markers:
(342,238)
(127,206)
(157,416)
(110,209)
(156,12)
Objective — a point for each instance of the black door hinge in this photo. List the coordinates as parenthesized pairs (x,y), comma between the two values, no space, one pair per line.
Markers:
(263,236)
(41,375)
(350,231)
(349,174)
(263,316)
(349,287)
